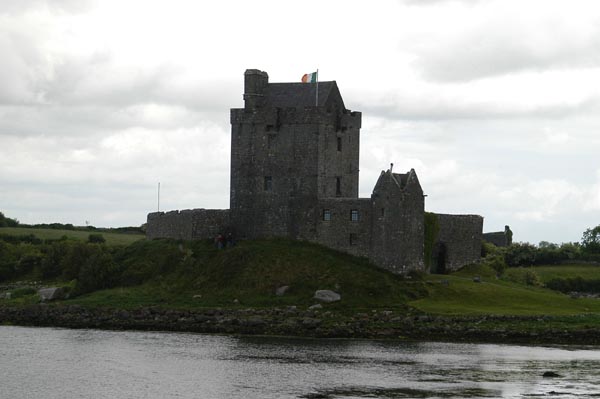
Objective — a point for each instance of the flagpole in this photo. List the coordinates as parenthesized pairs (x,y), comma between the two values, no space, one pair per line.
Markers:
(317,100)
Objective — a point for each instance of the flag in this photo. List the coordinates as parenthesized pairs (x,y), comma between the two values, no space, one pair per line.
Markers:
(310,77)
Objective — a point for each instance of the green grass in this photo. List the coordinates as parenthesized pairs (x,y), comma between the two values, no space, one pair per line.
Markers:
(463,296)
(547,273)
(52,234)
(195,274)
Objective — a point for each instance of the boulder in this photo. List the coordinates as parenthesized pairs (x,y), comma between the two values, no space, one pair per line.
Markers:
(51,293)
(282,290)
(315,307)
(327,296)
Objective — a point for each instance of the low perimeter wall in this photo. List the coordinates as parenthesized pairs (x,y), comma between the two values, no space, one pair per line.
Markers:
(188,224)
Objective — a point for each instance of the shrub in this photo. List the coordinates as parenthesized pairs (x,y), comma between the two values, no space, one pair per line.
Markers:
(77,254)
(496,262)
(29,262)
(51,264)
(96,239)
(98,272)
(520,254)
(531,278)
(576,284)
(21,292)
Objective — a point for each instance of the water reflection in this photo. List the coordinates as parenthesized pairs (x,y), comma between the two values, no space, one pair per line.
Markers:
(57,363)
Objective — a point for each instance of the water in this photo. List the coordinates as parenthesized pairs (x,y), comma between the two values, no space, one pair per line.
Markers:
(58,363)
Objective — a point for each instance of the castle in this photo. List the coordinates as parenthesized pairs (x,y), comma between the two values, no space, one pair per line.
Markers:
(294,173)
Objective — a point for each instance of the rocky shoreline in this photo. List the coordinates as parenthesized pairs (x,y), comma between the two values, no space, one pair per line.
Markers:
(315,323)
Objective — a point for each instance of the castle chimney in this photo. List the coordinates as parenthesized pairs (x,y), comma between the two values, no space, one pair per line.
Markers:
(255,82)
(391,167)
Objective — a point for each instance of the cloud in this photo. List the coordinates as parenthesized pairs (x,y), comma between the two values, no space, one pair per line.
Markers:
(504,39)
(17,7)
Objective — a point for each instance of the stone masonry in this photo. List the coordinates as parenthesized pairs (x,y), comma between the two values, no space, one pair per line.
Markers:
(294,173)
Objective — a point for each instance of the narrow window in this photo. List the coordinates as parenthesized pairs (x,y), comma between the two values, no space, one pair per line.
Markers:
(354,215)
(339,144)
(382,212)
(326,215)
(268,128)
(338,186)
(352,239)
(268,183)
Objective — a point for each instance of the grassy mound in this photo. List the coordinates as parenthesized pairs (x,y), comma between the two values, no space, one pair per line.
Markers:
(193,274)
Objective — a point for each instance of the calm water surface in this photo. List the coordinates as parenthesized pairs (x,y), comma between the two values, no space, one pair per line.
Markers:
(57,363)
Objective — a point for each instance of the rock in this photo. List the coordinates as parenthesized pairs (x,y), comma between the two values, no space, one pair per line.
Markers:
(282,290)
(327,296)
(315,307)
(550,374)
(197,296)
(236,301)
(310,322)
(51,293)
(254,321)
(477,279)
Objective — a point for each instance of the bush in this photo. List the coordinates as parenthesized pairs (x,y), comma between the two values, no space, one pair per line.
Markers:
(576,284)
(29,262)
(98,272)
(21,292)
(531,278)
(54,253)
(77,254)
(24,238)
(496,262)
(96,239)
(487,248)
(520,254)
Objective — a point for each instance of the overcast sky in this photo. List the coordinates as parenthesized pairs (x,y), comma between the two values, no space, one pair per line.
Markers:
(495,104)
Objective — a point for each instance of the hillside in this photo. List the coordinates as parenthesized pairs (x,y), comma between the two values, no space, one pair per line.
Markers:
(192,286)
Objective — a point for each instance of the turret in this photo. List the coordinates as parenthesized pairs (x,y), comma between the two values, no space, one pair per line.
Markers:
(255,82)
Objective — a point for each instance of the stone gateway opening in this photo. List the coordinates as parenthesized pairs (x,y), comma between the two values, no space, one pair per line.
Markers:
(440,253)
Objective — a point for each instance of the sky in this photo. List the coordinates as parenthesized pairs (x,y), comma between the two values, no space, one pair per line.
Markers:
(494,103)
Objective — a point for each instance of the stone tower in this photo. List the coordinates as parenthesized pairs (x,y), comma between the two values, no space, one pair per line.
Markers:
(287,152)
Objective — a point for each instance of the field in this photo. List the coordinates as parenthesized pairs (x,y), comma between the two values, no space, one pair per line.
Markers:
(547,273)
(52,234)
(458,294)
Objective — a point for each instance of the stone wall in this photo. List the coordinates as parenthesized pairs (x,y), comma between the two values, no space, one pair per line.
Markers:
(499,238)
(188,224)
(341,232)
(458,241)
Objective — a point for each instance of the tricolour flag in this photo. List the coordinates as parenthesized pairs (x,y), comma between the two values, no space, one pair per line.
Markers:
(310,77)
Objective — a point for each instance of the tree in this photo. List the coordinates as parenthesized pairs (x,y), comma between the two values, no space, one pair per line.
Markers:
(590,242)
